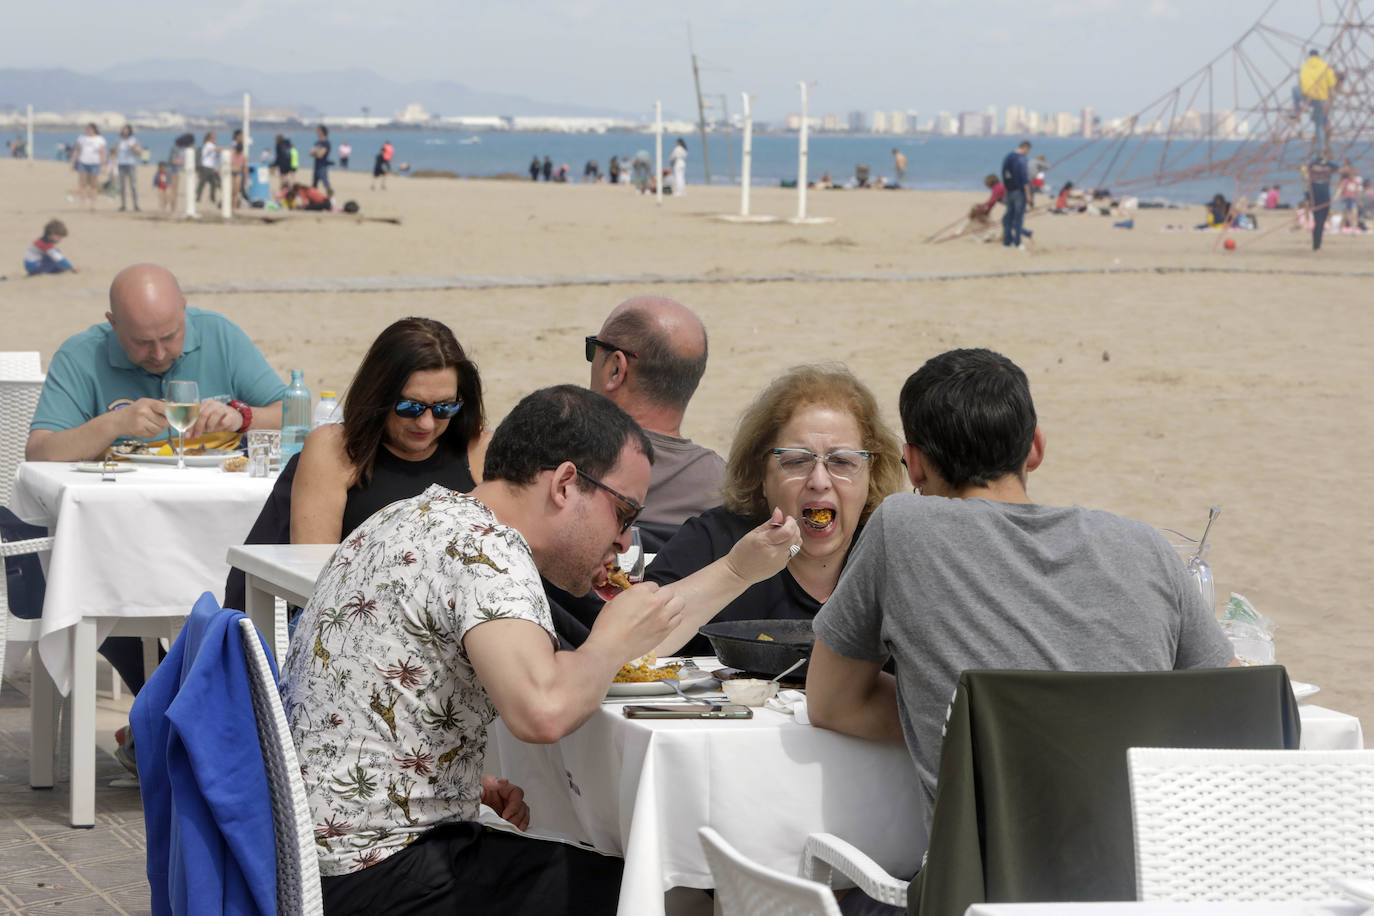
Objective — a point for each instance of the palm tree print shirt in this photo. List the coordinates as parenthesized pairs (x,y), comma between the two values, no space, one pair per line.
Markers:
(387,714)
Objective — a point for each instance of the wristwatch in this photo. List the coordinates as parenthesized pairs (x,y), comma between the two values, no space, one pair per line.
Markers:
(244,411)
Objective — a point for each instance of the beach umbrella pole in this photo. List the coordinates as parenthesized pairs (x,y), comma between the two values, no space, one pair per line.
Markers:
(746,156)
(658,152)
(801,158)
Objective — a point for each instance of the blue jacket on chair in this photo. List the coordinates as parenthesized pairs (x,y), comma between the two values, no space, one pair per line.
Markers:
(211,846)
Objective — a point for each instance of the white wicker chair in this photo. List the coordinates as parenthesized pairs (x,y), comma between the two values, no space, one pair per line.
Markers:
(839,863)
(298,869)
(745,888)
(1230,825)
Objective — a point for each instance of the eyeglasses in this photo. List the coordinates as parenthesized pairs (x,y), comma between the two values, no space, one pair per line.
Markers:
(593,343)
(843,463)
(412,409)
(635,507)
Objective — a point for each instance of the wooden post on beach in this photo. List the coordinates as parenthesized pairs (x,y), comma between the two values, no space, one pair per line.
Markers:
(746,156)
(190,171)
(28,146)
(658,152)
(801,158)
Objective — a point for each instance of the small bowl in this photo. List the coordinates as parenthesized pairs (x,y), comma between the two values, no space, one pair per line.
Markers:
(749,691)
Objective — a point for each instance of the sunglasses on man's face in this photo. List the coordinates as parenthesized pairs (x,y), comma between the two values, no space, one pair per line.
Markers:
(593,342)
(412,409)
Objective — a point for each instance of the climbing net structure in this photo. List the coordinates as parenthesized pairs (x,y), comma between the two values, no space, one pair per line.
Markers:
(1238,119)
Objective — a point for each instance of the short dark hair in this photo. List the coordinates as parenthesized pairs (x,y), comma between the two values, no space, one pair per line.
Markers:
(322,129)
(562,423)
(665,376)
(55,227)
(404,347)
(970,413)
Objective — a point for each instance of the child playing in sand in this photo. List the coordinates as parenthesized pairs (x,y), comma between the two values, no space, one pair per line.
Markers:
(43,256)
(164,194)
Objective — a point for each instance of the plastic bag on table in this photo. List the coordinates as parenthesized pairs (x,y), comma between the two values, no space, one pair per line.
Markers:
(1250,632)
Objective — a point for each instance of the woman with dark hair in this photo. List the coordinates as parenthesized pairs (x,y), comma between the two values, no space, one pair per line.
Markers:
(412,417)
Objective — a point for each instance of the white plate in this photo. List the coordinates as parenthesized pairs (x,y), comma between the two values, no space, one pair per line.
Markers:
(95,467)
(1361,890)
(1302,691)
(208,459)
(655,689)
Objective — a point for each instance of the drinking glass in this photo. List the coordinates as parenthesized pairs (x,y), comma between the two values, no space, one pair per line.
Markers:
(260,445)
(631,562)
(181,404)
(1197,566)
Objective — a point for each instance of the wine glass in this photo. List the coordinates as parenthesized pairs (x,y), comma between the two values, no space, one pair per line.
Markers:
(182,407)
(631,562)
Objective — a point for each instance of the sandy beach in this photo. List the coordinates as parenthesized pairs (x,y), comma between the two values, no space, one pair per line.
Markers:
(1169,375)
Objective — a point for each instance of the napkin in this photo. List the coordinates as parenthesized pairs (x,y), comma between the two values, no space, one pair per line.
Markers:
(792,703)
(214,441)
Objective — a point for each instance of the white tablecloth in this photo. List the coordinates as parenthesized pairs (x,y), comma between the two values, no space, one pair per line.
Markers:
(1165,909)
(146,544)
(641,788)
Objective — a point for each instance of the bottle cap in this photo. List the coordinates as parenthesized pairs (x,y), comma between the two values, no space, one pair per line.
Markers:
(328,394)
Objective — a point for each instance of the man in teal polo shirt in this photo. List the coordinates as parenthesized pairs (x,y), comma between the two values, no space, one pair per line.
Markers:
(106,383)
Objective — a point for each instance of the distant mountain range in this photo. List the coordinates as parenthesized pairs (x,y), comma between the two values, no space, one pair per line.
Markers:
(201,87)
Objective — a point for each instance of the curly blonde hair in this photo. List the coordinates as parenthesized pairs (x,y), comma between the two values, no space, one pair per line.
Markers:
(832,386)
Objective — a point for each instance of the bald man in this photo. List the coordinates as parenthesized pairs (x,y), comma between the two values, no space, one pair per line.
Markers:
(648,358)
(105,385)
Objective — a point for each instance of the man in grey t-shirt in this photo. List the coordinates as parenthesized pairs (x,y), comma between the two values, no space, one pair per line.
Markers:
(973,575)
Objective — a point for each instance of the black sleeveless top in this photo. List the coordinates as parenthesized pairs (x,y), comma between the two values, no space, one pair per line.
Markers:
(395,478)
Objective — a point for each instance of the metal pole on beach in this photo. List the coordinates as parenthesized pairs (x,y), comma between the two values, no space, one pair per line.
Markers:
(746,156)
(28,144)
(190,170)
(801,158)
(247,137)
(658,152)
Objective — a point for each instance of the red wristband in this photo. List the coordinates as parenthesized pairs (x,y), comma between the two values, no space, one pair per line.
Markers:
(244,411)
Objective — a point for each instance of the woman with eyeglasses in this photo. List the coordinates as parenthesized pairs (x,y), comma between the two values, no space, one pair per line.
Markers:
(813,446)
(412,417)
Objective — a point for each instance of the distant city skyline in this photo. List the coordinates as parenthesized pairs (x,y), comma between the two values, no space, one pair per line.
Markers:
(1063,55)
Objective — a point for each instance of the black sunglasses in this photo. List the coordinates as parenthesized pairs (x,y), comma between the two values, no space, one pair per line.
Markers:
(635,507)
(412,409)
(593,343)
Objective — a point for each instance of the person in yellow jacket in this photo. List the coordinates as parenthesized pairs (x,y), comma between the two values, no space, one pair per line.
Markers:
(1316,82)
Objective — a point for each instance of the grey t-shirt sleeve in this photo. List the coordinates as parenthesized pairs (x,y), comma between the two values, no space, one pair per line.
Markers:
(850,623)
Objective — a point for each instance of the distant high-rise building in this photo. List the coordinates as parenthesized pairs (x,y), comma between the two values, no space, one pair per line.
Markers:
(1014,121)
(830,122)
(991,114)
(912,123)
(973,124)
(896,122)
(1032,123)
(858,122)
(880,122)
(1087,124)
(946,124)
(1065,124)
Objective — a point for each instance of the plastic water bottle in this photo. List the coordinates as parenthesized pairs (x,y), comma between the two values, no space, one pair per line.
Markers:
(327,411)
(295,416)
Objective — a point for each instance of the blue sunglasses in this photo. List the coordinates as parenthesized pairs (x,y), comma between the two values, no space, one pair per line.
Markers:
(412,409)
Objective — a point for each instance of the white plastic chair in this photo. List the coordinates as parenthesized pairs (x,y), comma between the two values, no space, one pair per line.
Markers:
(1223,825)
(298,869)
(838,863)
(21,381)
(745,888)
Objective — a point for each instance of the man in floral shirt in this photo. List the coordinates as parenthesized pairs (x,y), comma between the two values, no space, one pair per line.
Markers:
(428,622)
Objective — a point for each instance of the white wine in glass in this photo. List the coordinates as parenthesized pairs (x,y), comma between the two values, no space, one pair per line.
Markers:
(182,407)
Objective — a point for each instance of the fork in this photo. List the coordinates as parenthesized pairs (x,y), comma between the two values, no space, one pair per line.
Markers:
(677,688)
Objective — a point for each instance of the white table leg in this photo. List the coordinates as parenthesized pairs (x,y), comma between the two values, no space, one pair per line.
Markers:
(262,610)
(42,727)
(83,724)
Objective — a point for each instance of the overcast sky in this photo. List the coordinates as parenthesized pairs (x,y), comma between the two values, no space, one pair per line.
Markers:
(1115,55)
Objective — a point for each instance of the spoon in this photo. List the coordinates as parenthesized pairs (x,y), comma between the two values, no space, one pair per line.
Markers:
(677,689)
(790,668)
(1211,517)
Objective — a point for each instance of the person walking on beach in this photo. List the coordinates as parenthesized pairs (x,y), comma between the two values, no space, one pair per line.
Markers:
(127,153)
(320,153)
(345,150)
(1319,172)
(899,164)
(548,169)
(285,167)
(238,171)
(208,172)
(89,158)
(380,166)
(1016,180)
(534,169)
(678,158)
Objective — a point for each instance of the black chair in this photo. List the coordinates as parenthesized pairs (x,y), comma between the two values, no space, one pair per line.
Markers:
(273,526)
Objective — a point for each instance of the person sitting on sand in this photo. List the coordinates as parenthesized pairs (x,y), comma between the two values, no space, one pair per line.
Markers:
(982,213)
(43,256)
(300,197)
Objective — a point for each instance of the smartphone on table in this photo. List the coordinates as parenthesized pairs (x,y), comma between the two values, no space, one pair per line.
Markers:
(715,711)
